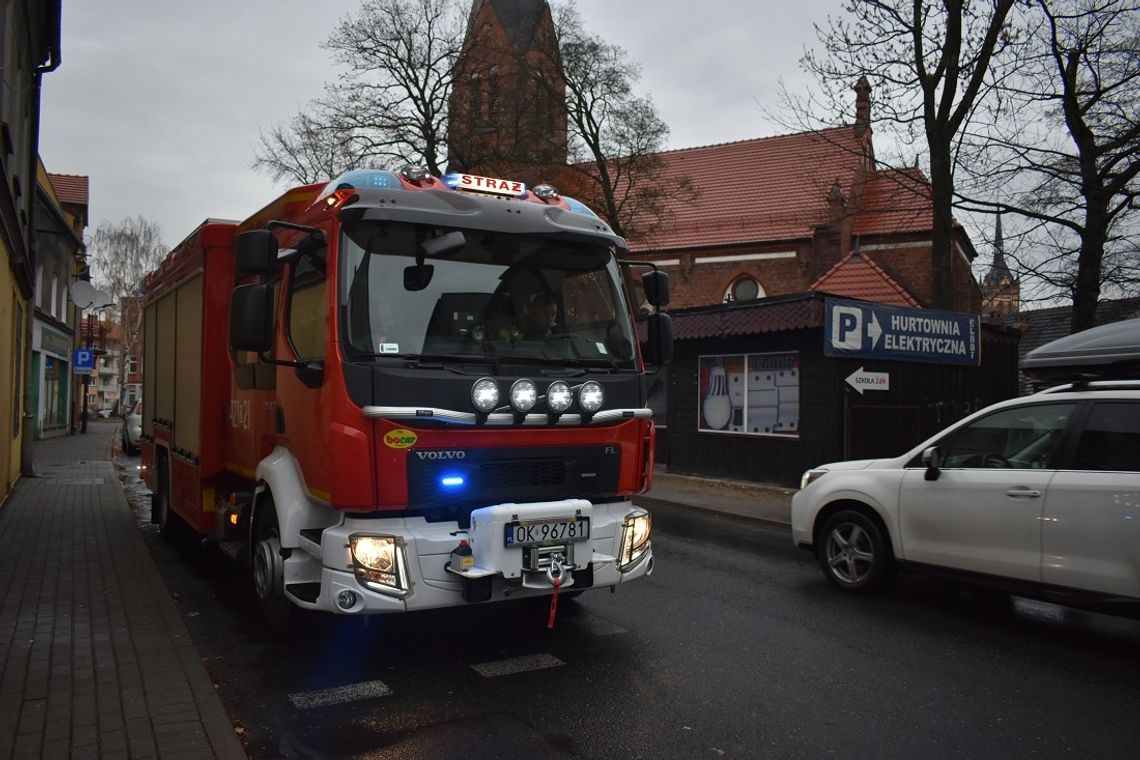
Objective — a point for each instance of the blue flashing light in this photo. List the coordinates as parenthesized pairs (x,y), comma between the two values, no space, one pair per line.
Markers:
(579,208)
(452,481)
(363,179)
(451,180)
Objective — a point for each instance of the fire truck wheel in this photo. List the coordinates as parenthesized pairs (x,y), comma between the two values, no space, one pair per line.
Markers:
(269,571)
(168,521)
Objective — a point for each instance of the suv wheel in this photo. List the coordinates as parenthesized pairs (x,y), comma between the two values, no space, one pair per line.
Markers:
(854,552)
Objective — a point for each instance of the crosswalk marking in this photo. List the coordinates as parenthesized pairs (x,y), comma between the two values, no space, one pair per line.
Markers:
(513,665)
(306,700)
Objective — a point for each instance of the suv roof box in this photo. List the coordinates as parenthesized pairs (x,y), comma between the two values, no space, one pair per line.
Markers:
(1108,352)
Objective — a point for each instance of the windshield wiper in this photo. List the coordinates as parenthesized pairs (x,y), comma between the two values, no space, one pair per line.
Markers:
(428,357)
(553,362)
(610,364)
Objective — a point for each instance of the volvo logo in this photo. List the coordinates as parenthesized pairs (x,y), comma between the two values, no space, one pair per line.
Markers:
(441,454)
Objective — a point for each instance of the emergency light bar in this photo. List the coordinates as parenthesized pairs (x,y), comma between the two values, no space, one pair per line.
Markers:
(418,177)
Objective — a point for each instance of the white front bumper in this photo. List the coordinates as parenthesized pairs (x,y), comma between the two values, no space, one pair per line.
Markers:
(428,548)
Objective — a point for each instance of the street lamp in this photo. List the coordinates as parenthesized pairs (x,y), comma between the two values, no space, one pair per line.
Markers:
(85,296)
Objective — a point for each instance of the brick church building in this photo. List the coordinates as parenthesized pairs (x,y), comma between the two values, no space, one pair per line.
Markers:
(796,213)
(761,237)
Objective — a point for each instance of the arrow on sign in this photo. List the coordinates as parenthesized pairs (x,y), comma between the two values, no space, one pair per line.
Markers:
(871,381)
(874,332)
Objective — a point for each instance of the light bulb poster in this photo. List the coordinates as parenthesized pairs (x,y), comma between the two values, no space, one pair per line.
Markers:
(750,394)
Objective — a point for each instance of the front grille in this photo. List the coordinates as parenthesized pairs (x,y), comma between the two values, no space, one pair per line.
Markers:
(497,476)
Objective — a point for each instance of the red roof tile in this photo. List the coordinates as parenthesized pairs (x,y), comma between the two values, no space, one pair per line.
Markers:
(895,201)
(767,189)
(70,188)
(860,277)
(748,319)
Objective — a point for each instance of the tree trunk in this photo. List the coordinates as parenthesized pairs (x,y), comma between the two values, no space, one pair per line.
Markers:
(942,197)
(1086,289)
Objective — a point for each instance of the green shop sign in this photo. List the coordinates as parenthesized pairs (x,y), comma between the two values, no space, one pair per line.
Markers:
(54,342)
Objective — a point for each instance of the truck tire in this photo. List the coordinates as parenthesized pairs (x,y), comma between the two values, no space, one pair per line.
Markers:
(269,571)
(169,523)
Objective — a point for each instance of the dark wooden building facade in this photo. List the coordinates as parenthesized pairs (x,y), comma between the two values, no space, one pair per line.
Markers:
(827,419)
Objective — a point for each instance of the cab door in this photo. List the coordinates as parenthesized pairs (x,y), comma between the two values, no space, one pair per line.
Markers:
(304,417)
(1091,520)
(983,512)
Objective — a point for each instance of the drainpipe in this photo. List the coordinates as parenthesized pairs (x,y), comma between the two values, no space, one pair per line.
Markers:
(27,468)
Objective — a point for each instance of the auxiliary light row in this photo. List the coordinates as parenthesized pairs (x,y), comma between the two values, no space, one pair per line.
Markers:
(523,396)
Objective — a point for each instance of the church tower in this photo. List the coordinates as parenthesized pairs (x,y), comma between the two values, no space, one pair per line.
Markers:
(508,114)
(1001,291)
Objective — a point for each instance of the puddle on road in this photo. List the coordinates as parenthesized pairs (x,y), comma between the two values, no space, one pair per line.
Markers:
(138,495)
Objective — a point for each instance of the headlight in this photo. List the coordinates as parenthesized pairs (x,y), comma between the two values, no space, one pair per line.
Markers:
(559,397)
(524,395)
(379,563)
(811,476)
(634,539)
(590,397)
(485,394)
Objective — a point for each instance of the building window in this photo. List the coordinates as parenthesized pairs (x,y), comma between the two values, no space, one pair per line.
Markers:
(743,289)
(753,394)
(132,364)
(493,95)
(477,116)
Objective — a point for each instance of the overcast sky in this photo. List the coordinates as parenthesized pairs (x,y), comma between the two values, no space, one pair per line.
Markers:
(159,103)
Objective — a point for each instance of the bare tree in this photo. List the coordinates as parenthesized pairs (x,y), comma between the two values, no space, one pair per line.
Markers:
(930,63)
(391,103)
(614,136)
(393,106)
(305,150)
(120,255)
(1062,148)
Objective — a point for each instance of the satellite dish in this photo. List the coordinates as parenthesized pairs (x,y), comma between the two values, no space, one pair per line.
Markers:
(87,296)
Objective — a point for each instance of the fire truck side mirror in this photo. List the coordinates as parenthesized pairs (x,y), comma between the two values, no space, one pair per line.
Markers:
(658,349)
(656,285)
(255,252)
(251,318)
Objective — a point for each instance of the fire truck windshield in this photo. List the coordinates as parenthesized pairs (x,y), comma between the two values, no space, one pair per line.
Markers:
(414,290)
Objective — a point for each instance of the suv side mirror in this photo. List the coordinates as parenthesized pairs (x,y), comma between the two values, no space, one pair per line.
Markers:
(932,458)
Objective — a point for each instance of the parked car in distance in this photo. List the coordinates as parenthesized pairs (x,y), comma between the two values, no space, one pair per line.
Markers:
(1038,495)
(132,427)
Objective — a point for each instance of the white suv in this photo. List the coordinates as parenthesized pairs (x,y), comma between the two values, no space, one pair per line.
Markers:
(1038,495)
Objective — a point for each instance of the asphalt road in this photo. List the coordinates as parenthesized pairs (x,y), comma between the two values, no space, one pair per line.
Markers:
(735,647)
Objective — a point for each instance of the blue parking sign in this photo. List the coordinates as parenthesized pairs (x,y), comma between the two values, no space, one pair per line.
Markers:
(84,361)
(877,331)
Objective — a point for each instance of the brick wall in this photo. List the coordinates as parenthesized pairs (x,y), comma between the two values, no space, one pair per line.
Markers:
(695,281)
(909,265)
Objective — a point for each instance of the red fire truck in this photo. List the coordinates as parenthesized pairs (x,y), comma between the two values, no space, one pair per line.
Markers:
(396,392)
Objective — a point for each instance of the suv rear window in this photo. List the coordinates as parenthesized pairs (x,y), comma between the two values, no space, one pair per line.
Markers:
(1111,438)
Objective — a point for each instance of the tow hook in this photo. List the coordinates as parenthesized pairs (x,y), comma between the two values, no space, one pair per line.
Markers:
(555,571)
(554,575)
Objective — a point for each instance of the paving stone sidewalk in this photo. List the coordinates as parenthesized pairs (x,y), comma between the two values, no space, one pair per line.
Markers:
(95,661)
(770,504)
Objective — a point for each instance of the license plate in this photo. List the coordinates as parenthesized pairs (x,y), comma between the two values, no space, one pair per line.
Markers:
(543,532)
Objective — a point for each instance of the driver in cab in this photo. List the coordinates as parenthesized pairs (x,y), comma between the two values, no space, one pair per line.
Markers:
(541,317)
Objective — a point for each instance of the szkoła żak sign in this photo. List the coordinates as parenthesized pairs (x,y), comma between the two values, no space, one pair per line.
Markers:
(874,331)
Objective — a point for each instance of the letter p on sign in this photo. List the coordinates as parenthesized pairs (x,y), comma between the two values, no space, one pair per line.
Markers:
(847,328)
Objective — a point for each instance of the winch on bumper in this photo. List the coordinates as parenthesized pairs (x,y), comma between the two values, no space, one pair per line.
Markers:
(516,550)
